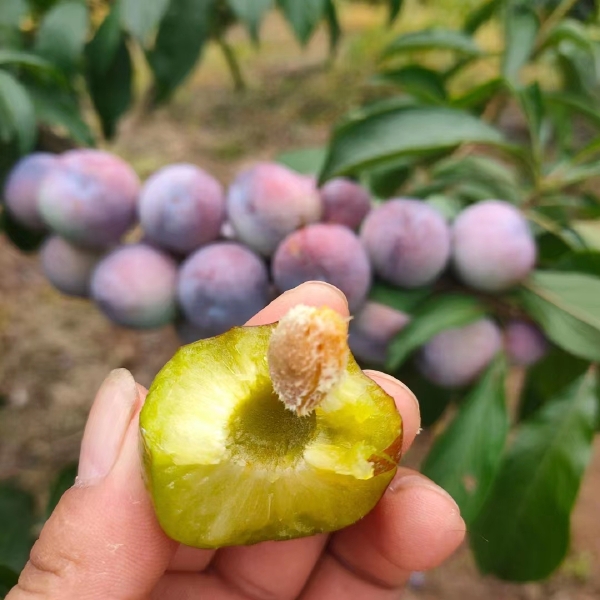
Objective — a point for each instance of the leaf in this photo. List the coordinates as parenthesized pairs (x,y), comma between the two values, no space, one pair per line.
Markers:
(449,206)
(465,458)
(12,13)
(481,15)
(109,73)
(395,8)
(17,112)
(432,317)
(303,16)
(308,161)
(572,31)
(8,579)
(580,262)
(62,34)
(402,300)
(141,18)
(523,531)
(386,179)
(575,103)
(567,308)
(520,30)
(26,59)
(333,25)
(183,31)
(379,138)
(532,103)
(251,13)
(425,84)
(17,518)
(64,481)
(433,39)
(24,239)
(478,97)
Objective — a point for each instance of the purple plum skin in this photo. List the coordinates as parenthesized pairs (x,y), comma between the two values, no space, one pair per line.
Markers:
(68,268)
(90,198)
(181,208)
(493,247)
(455,357)
(324,252)
(525,343)
(21,191)
(135,286)
(407,241)
(221,286)
(345,202)
(267,202)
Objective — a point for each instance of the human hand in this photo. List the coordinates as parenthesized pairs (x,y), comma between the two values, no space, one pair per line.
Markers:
(103,541)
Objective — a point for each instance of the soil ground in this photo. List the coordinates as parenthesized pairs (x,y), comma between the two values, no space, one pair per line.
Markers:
(55,351)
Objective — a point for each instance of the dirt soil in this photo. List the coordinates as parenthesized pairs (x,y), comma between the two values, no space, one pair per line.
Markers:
(55,351)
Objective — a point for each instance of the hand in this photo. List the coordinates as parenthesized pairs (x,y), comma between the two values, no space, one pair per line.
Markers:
(103,541)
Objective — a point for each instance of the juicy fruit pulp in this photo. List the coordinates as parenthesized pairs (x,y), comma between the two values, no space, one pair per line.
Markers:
(227,463)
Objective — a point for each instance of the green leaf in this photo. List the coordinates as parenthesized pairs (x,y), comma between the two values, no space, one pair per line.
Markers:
(64,481)
(425,84)
(449,206)
(183,31)
(481,15)
(465,458)
(569,30)
(333,25)
(308,161)
(567,308)
(432,317)
(478,97)
(141,18)
(580,262)
(24,239)
(12,13)
(109,73)
(402,300)
(17,518)
(26,59)
(251,13)
(303,16)
(386,179)
(395,8)
(523,531)
(17,112)
(62,34)
(532,103)
(8,579)
(576,103)
(379,138)
(520,30)
(433,39)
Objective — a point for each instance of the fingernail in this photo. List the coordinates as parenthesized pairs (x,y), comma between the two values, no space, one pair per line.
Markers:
(324,285)
(405,482)
(391,379)
(109,418)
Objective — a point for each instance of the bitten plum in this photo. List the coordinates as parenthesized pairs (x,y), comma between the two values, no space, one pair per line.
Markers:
(182,207)
(408,242)
(67,267)
(90,198)
(455,357)
(324,252)
(21,191)
(372,330)
(267,202)
(135,286)
(222,285)
(493,247)
(345,202)
(525,343)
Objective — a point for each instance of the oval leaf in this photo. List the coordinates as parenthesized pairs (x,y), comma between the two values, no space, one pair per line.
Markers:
(520,30)
(381,137)
(251,13)
(402,300)
(141,18)
(567,307)
(16,112)
(308,161)
(465,458)
(523,531)
(303,16)
(436,315)
(433,39)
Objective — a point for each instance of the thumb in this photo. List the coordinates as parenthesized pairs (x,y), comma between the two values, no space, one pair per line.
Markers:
(103,540)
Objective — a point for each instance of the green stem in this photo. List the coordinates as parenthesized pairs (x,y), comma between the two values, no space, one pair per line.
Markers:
(553,20)
(233,64)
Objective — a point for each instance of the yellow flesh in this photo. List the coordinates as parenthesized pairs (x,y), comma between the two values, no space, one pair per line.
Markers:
(227,464)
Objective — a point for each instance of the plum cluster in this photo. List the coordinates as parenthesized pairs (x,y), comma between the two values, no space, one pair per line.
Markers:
(180,248)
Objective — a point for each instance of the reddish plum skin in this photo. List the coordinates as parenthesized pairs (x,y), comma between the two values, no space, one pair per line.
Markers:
(181,208)
(323,252)
(68,268)
(493,247)
(345,202)
(21,191)
(455,357)
(372,330)
(267,202)
(408,242)
(525,343)
(135,286)
(90,198)
(221,286)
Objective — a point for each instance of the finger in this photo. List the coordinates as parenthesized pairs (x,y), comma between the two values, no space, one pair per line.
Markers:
(103,540)
(406,403)
(415,527)
(312,293)
(191,560)
(274,570)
